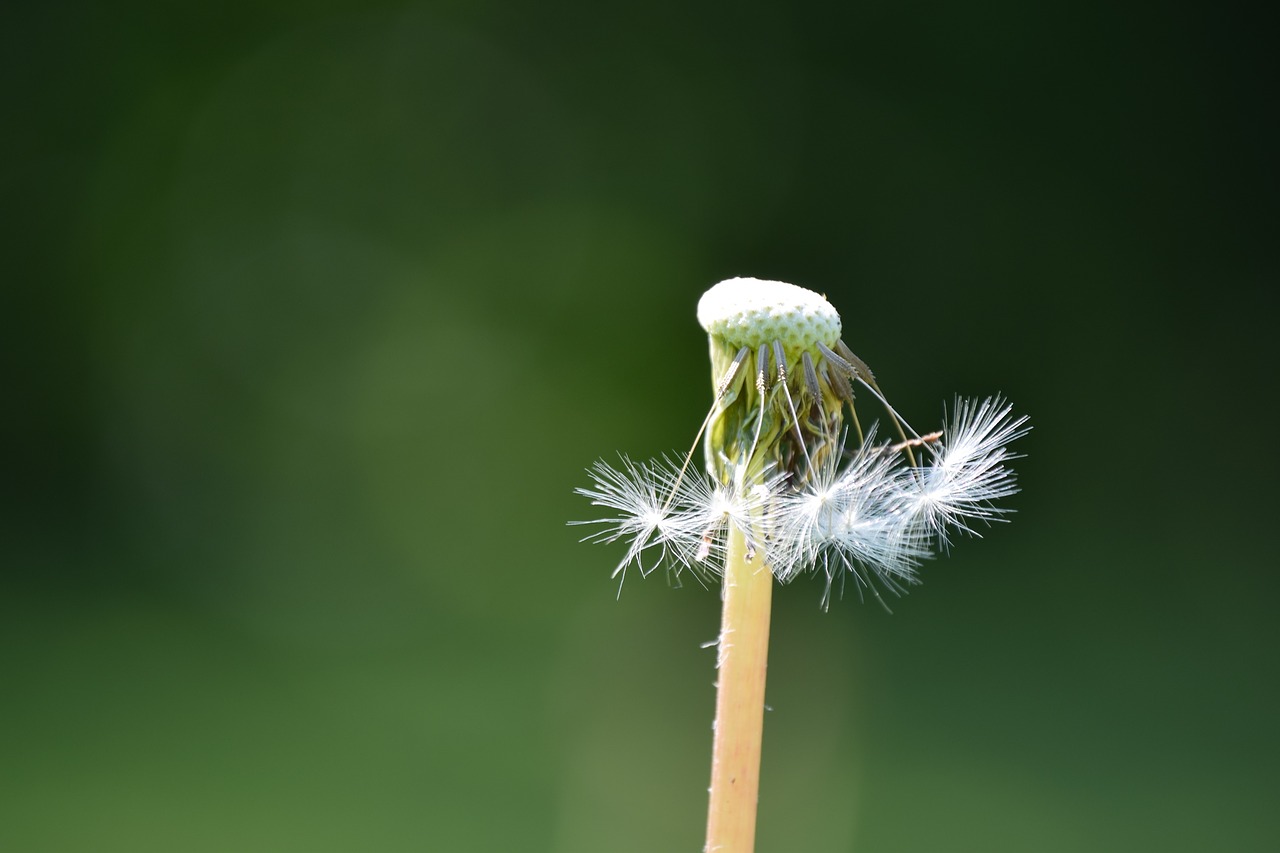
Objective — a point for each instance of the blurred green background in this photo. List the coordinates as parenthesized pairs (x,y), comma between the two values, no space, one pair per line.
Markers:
(315,313)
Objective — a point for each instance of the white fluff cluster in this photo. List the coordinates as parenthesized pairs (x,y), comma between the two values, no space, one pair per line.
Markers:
(868,513)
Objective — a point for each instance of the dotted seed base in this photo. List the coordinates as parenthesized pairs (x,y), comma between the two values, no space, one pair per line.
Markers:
(753,312)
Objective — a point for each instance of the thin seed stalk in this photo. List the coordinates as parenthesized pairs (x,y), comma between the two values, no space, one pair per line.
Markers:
(743,659)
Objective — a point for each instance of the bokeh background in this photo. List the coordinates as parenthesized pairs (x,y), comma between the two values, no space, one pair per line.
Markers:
(313,315)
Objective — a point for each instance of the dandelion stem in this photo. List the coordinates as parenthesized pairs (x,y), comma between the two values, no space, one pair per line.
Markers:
(743,659)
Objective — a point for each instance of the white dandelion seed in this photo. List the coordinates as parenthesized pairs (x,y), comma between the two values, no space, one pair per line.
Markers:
(673,517)
(714,508)
(849,518)
(648,517)
(967,472)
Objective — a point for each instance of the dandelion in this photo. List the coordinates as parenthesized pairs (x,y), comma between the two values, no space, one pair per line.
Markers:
(790,488)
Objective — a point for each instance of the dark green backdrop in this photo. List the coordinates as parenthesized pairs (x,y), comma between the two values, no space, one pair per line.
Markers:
(313,315)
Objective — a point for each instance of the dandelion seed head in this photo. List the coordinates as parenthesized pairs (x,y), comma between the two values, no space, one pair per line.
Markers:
(780,468)
(777,377)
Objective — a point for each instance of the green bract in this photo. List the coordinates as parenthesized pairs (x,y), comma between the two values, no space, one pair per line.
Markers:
(779,402)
